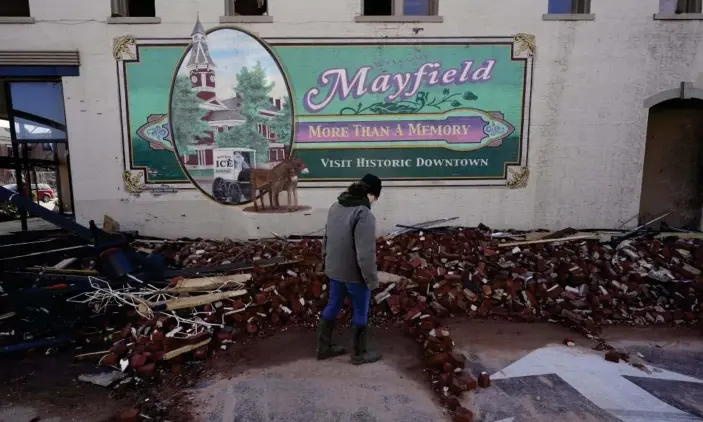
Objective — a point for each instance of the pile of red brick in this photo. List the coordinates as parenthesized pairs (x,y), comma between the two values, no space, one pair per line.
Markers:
(442,274)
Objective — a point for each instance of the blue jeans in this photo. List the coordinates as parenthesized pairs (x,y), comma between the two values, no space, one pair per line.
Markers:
(360,296)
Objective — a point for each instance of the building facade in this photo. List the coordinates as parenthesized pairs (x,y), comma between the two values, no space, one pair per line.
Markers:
(516,114)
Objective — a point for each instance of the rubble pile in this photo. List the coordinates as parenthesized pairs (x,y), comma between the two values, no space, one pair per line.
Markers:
(585,282)
(430,276)
(217,293)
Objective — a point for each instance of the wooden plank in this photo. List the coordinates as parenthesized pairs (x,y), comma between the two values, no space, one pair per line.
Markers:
(190,301)
(693,235)
(185,349)
(534,242)
(208,283)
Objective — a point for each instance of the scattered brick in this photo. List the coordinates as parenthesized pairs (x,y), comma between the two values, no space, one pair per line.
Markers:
(128,415)
(460,272)
(463,414)
(612,356)
(137,361)
(484,380)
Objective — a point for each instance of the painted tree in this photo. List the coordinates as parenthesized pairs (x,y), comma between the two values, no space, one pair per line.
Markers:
(282,124)
(254,89)
(186,117)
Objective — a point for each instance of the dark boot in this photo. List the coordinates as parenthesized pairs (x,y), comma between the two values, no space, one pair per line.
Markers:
(325,348)
(362,354)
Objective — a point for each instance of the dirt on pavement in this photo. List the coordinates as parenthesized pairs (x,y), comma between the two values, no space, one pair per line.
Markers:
(277,378)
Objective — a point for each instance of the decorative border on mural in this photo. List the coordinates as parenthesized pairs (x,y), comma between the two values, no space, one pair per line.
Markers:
(515,174)
(126,50)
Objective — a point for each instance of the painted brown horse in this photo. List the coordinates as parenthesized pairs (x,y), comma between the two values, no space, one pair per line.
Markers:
(275,180)
(291,188)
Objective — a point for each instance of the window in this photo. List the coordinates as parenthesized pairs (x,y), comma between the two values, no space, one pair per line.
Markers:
(568,10)
(679,10)
(688,6)
(394,7)
(420,7)
(378,7)
(400,10)
(133,8)
(14,8)
(38,120)
(246,11)
(569,7)
(246,8)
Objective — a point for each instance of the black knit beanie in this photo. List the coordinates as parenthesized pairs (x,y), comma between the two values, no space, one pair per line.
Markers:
(374,184)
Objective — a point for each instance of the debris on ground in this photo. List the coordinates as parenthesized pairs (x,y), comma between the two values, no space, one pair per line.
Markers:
(139,306)
(103,379)
(612,356)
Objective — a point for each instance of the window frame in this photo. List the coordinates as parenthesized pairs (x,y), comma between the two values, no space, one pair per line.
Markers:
(574,14)
(18,19)
(665,15)
(230,17)
(121,7)
(398,16)
(697,5)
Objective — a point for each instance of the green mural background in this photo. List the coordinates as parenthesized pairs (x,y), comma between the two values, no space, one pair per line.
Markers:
(148,82)
(503,93)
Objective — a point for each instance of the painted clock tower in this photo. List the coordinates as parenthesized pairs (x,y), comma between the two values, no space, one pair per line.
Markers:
(200,64)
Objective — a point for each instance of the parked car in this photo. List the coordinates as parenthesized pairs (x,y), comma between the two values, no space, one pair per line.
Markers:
(43,191)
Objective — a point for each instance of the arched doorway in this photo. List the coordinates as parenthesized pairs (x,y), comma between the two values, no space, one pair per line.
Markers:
(672,177)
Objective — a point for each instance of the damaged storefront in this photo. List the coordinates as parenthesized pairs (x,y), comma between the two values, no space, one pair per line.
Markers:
(34,157)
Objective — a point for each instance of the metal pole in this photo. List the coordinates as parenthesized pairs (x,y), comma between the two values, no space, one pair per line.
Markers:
(15,153)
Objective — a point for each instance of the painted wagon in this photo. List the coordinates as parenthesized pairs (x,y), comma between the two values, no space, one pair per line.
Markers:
(233,174)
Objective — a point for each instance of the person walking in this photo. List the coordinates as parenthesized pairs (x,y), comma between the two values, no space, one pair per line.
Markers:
(349,256)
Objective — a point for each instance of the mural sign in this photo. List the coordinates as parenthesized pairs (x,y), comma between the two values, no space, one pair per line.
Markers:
(214,109)
(451,110)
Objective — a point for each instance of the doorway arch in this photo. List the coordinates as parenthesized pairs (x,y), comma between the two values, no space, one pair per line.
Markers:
(672,177)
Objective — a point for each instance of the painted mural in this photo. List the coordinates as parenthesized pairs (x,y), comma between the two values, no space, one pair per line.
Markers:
(414,112)
(231,122)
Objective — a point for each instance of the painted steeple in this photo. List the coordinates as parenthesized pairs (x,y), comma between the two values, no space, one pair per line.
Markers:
(198,29)
(199,53)
(200,64)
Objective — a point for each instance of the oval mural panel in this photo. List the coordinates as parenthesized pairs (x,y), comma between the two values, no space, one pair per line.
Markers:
(232,120)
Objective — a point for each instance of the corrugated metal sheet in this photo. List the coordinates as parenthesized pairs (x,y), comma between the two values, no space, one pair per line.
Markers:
(39,58)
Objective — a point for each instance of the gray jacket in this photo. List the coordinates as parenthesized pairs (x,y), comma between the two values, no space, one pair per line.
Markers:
(349,245)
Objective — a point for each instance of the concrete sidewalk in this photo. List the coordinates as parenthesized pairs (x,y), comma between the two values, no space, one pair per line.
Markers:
(277,380)
(535,378)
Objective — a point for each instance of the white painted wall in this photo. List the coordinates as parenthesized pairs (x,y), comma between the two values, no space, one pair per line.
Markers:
(587,133)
